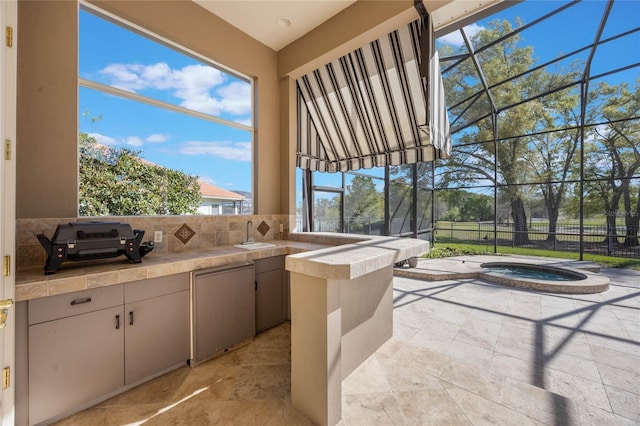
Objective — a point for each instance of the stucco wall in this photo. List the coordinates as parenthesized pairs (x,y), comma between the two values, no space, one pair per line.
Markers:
(46,146)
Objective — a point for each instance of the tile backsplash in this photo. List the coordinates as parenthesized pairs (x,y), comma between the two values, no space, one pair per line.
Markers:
(206,232)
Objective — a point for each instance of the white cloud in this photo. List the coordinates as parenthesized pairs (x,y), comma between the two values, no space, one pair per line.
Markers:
(455,38)
(157,138)
(103,139)
(198,87)
(236,97)
(124,76)
(224,149)
(245,121)
(134,141)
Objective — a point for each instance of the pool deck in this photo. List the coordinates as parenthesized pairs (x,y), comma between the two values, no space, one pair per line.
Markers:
(469,267)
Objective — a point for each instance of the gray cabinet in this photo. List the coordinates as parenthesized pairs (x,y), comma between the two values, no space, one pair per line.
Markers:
(88,345)
(223,309)
(76,350)
(272,293)
(156,326)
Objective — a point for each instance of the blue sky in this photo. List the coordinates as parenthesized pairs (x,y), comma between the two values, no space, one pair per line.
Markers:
(217,153)
(221,154)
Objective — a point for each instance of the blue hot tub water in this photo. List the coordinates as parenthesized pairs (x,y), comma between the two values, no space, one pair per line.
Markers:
(533,272)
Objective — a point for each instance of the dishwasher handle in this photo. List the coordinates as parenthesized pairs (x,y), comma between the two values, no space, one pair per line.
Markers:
(226,268)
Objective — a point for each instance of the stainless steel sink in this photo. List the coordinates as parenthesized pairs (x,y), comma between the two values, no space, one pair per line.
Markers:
(255,246)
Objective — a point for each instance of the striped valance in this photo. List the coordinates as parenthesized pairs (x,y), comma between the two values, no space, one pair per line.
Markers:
(368,108)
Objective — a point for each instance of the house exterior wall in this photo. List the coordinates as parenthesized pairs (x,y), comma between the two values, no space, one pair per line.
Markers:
(47,127)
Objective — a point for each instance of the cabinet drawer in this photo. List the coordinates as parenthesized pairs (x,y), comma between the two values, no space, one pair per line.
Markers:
(154,287)
(269,264)
(79,302)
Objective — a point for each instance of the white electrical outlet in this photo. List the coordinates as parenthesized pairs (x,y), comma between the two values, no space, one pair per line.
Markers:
(157,237)
(282,227)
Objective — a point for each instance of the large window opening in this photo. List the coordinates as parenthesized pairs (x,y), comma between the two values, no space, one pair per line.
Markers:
(162,130)
(545,131)
(391,200)
(543,100)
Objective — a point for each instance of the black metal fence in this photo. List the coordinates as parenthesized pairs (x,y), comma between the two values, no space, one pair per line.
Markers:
(597,239)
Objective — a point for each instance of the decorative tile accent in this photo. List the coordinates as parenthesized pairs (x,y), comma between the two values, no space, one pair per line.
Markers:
(263,228)
(184,233)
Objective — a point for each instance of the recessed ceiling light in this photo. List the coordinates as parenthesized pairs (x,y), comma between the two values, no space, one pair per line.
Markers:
(283,22)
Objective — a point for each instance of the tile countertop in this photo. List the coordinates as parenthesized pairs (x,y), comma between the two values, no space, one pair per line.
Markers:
(337,256)
(357,256)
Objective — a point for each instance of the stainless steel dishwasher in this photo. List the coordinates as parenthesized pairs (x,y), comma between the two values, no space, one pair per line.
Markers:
(222,309)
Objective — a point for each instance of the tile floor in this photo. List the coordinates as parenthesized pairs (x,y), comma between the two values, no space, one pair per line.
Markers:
(463,352)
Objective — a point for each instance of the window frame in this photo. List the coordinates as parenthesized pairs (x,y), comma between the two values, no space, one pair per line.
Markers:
(135,97)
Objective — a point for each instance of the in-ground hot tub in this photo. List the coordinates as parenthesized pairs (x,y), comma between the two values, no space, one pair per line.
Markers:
(536,272)
(544,277)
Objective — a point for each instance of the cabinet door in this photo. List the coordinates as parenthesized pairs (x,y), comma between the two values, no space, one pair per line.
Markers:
(224,309)
(74,360)
(269,309)
(156,335)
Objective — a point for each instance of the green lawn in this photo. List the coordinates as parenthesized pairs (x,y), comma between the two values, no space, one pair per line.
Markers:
(458,249)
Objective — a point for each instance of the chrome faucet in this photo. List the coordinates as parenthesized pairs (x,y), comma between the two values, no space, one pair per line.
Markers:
(248,240)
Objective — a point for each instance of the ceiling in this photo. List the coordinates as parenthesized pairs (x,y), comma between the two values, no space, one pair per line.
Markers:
(266,20)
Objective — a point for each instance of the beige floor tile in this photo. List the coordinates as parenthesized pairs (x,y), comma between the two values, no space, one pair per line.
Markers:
(616,359)
(519,322)
(624,403)
(477,338)
(576,388)
(573,365)
(373,409)
(413,356)
(515,368)
(483,326)
(571,342)
(431,407)
(403,331)
(519,334)
(481,411)
(471,354)
(479,381)
(402,378)
(613,343)
(621,379)
(492,313)
(369,377)
(539,404)
(592,416)
(262,382)
(517,348)
(432,340)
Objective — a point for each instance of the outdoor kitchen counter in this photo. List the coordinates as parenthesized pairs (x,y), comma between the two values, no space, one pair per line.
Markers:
(357,254)
(83,275)
(341,300)
(341,313)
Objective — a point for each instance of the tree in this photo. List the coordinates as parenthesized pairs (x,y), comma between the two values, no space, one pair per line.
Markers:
(363,201)
(326,214)
(614,154)
(117,182)
(466,206)
(483,117)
